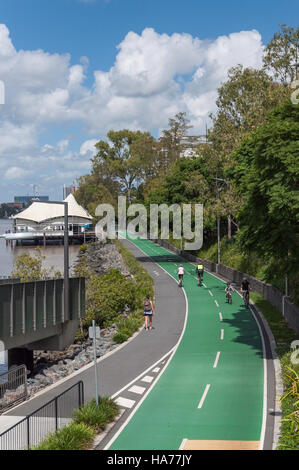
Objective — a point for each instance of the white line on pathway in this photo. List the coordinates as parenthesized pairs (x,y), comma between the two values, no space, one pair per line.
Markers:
(183,444)
(216,360)
(217,305)
(156,369)
(220,315)
(222,334)
(210,293)
(125,402)
(137,389)
(147,379)
(204,396)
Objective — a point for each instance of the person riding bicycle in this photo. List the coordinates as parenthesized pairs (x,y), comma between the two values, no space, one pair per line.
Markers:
(199,271)
(245,288)
(228,291)
(181,273)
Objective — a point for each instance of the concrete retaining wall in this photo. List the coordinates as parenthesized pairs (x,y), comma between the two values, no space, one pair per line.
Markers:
(268,292)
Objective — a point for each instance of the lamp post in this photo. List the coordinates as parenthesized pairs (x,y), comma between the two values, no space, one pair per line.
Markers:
(66,255)
(219,188)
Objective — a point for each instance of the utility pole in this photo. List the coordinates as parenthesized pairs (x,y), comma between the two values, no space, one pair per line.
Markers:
(66,256)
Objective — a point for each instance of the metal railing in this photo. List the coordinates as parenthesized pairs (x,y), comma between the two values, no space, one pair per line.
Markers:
(54,415)
(13,387)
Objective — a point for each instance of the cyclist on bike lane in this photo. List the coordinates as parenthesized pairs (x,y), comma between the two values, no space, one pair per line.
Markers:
(181,273)
(245,288)
(199,271)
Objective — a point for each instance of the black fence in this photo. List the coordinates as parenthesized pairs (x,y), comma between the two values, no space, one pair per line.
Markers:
(54,415)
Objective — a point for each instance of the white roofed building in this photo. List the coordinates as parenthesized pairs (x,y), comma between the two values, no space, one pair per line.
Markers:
(40,217)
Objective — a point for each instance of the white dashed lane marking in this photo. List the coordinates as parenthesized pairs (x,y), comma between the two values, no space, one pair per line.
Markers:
(204,396)
(216,360)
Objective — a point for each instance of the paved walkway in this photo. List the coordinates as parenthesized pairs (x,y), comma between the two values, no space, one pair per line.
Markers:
(206,393)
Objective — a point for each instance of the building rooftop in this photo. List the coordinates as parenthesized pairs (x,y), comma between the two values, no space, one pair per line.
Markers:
(39,212)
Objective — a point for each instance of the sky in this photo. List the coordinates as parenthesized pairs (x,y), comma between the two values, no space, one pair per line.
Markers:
(74,69)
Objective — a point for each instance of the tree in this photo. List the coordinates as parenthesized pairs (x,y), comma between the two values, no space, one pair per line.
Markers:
(243,103)
(170,142)
(282,54)
(125,160)
(267,176)
(29,268)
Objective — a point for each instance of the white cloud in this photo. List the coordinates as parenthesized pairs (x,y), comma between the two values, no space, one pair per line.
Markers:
(88,147)
(154,76)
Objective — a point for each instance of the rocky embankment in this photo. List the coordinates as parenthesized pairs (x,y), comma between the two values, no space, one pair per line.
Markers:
(49,367)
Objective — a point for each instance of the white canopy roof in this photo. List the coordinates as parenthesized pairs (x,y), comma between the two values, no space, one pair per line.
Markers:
(38,212)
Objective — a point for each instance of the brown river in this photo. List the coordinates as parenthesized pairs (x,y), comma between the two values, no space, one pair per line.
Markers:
(53,253)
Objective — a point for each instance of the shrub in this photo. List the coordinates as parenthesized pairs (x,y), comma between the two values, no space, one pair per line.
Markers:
(97,416)
(107,297)
(120,337)
(83,248)
(76,436)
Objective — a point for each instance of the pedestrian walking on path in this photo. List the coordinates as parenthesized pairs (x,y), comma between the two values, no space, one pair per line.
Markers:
(148,308)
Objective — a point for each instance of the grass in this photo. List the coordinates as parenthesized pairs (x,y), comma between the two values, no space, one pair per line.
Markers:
(88,421)
(96,416)
(127,326)
(76,436)
(284,336)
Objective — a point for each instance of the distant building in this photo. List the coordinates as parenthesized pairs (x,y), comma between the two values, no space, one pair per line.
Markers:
(67,190)
(12,205)
(26,200)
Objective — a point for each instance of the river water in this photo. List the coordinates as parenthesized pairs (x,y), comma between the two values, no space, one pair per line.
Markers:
(8,254)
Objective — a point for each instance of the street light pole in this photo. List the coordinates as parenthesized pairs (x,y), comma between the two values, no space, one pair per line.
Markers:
(66,262)
(66,257)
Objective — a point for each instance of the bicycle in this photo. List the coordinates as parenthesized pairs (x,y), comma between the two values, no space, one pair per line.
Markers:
(200,278)
(229,297)
(180,280)
(246,298)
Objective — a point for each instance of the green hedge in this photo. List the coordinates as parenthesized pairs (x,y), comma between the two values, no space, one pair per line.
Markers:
(284,336)
(88,420)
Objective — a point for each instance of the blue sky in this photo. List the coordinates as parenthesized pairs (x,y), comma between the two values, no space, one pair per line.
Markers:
(94,28)
(73,69)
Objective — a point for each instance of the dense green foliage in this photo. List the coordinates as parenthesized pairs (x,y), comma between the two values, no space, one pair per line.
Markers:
(97,416)
(113,298)
(88,421)
(76,436)
(107,297)
(267,173)
(284,336)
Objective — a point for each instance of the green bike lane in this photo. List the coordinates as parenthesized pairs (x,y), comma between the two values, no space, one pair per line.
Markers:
(213,387)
